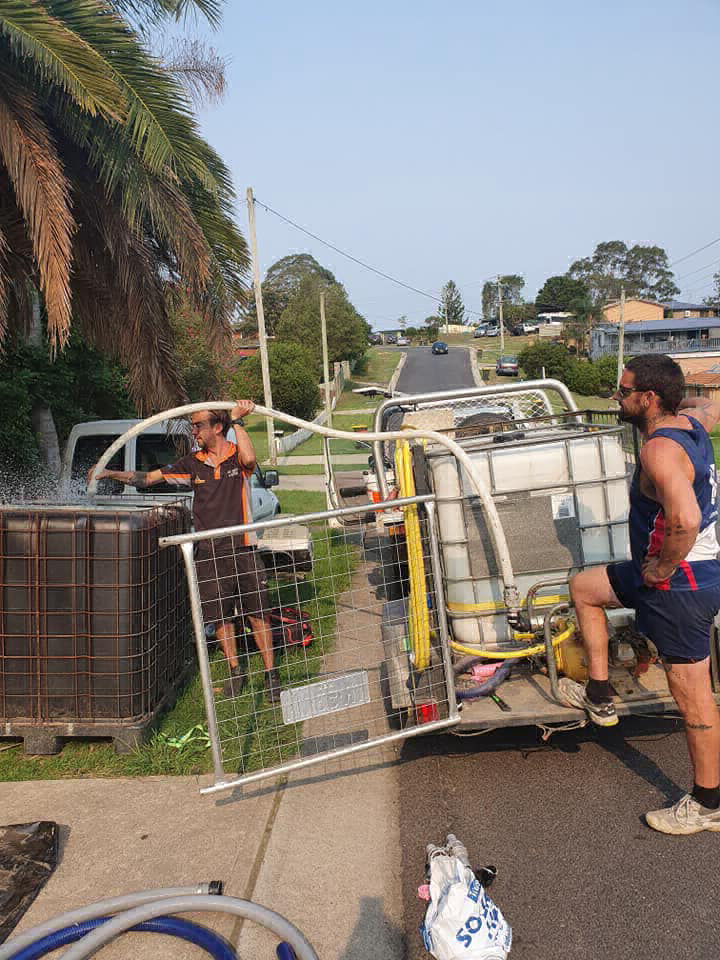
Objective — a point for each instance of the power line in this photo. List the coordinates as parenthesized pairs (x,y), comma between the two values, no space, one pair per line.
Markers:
(349,256)
(699,250)
(692,272)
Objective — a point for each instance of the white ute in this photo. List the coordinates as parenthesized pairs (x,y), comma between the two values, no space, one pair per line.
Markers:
(163,443)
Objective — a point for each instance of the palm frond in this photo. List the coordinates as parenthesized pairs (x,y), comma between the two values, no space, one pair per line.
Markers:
(58,55)
(4,284)
(42,194)
(199,68)
(155,11)
(153,206)
(159,121)
(119,296)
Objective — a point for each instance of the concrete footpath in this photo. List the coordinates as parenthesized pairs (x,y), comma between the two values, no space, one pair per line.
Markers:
(321,849)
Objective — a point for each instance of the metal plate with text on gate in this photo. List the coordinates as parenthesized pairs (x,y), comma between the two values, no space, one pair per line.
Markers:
(325,696)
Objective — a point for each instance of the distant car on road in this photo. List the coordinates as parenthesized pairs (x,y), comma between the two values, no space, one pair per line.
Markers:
(492,330)
(480,330)
(391,338)
(375,338)
(530,327)
(439,347)
(507,367)
(403,342)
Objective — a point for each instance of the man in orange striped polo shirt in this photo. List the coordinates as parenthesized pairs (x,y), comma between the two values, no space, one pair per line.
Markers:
(229,571)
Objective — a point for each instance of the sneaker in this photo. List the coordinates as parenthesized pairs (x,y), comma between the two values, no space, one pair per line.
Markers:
(603,714)
(235,683)
(272,685)
(686,816)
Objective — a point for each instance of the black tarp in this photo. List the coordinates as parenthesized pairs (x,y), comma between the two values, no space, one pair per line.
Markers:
(28,855)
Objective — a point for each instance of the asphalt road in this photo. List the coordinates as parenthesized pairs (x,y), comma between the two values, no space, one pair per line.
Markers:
(580,875)
(424,372)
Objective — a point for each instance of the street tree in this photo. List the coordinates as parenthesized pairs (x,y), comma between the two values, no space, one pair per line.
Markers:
(713,300)
(643,270)
(282,280)
(512,293)
(452,309)
(558,293)
(347,331)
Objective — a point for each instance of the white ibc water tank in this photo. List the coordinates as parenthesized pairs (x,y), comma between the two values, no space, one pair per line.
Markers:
(562,496)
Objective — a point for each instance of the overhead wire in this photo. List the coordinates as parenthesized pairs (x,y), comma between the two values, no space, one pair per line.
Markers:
(425,293)
(699,250)
(350,256)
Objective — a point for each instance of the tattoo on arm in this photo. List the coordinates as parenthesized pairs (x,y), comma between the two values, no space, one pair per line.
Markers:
(699,726)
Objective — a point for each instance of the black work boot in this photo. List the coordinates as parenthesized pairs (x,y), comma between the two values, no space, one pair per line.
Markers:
(234,685)
(272,685)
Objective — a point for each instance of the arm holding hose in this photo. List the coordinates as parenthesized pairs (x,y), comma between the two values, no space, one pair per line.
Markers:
(511,594)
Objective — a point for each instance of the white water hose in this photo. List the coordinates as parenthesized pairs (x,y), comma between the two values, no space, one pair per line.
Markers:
(511,595)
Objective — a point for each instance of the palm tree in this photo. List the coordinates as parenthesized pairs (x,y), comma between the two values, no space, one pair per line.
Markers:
(112,206)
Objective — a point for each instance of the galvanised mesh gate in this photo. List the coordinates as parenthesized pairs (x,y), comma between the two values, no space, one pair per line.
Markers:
(335,610)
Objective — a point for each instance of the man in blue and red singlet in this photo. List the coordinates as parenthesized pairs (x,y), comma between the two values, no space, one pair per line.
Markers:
(672,580)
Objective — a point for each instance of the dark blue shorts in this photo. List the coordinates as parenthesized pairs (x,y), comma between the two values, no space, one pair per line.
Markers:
(677,621)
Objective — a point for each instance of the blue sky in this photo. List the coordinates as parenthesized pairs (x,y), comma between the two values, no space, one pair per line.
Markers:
(460,140)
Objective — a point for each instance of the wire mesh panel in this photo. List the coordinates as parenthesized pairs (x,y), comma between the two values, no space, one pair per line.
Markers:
(93,615)
(302,662)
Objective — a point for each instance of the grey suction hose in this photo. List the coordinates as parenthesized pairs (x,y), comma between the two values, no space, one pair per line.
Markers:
(100,909)
(511,595)
(278,925)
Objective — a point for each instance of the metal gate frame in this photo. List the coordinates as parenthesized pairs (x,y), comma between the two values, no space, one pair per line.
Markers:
(186,543)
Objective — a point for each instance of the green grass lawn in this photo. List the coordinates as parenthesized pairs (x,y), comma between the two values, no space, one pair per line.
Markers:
(263,740)
(313,446)
(353,401)
(381,365)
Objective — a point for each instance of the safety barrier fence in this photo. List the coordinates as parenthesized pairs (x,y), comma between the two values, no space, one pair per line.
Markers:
(340,639)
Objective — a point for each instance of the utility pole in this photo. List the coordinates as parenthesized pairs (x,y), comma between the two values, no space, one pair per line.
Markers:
(326,365)
(621,337)
(500,314)
(267,392)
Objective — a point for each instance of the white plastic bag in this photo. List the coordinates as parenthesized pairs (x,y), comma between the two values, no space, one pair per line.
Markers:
(461,921)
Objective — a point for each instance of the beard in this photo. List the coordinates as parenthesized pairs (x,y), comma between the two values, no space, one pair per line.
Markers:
(636,419)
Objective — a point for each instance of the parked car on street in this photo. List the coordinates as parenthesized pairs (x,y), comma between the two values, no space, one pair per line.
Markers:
(480,330)
(403,342)
(439,347)
(492,330)
(507,367)
(375,338)
(530,327)
(391,338)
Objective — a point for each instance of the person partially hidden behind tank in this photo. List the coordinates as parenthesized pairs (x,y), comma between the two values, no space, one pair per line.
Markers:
(229,572)
(672,580)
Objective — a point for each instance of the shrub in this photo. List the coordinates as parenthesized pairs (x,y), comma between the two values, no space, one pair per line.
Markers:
(293,379)
(607,374)
(554,357)
(583,377)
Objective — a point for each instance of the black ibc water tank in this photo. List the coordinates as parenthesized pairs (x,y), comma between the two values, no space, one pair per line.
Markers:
(95,631)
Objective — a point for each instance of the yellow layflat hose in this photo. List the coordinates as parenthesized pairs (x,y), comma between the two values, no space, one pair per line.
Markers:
(419,620)
(419,615)
(513,654)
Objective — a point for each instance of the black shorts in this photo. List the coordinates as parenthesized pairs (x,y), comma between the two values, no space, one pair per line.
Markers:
(677,621)
(232,581)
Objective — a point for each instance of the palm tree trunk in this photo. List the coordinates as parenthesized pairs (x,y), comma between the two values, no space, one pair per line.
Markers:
(42,418)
